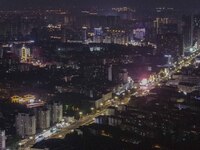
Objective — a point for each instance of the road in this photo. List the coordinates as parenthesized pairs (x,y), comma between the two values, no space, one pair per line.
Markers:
(85,120)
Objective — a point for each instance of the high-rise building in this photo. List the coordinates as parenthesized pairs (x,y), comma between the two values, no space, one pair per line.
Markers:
(56,113)
(191,27)
(110,75)
(98,35)
(196,30)
(43,118)
(139,33)
(84,31)
(123,76)
(25,54)
(196,21)
(2,140)
(170,44)
(25,124)
(160,21)
(168,28)
(198,39)
(188,29)
(92,20)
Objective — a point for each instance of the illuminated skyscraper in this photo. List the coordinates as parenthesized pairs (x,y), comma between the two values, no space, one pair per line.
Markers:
(24,54)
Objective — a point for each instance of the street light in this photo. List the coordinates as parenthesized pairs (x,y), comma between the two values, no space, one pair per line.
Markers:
(92,109)
(80,114)
(20,144)
(101,104)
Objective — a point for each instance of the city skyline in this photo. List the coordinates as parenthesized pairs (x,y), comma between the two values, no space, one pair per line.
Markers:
(120,74)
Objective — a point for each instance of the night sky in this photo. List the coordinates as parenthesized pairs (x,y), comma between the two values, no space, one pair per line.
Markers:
(19,4)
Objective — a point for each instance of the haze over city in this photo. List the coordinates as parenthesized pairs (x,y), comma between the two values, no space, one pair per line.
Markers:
(141,4)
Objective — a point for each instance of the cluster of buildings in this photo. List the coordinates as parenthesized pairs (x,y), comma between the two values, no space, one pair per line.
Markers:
(187,80)
(115,26)
(43,118)
(164,119)
(170,35)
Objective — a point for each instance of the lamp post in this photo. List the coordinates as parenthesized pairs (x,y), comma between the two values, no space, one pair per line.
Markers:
(80,114)
(92,109)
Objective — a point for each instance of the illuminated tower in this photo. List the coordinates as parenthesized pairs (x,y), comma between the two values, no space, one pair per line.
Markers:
(24,54)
